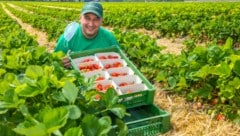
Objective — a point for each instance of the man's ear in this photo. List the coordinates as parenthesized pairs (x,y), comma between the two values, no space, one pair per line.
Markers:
(101,21)
(80,18)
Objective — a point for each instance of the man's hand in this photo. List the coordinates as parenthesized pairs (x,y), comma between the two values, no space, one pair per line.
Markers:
(66,62)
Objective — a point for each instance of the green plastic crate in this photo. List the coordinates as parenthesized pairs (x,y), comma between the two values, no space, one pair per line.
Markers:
(147,120)
(131,100)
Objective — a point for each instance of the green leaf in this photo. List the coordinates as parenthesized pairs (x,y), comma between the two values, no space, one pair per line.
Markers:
(70,91)
(9,77)
(34,72)
(222,70)
(6,130)
(93,126)
(234,83)
(228,44)
(110,97)
(90,125)
(24,110)
(58,96)
(104,125)
(118,110)
(28,130)
(172,82)
(8,105)
(236,67)
(3,111)
(76,131)
(228,92)
(161,76)
(182,82)
(204,71)
(74,111)
(4,86)
(32,87)
(10,96)
(25,90)
(56,118)
(123,129)
(205,91)
(2,71)
(39,51)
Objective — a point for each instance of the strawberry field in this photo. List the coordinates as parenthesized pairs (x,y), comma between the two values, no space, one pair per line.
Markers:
(38,95)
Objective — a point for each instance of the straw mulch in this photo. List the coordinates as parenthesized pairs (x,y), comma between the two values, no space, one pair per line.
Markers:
(188,120)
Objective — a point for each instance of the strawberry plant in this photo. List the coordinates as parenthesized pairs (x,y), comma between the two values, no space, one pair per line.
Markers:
(205,73)
(38,96)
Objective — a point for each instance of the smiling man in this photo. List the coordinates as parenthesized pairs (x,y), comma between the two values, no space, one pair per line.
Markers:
(86,35)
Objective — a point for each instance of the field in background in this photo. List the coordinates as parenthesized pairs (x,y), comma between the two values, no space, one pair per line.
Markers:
(210,23)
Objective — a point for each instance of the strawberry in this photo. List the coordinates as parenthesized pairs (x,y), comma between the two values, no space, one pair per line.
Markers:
(81,67)
(102,57)
(100,78)
(220,117)
(123,84)
(114,74)
(99,87)
(123,74)
(214,101)
(95,66)
(107,66)
(112,56)
(87,60)
(116,64)
(97,97)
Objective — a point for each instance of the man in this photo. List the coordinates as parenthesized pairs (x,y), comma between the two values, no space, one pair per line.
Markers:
(87,35)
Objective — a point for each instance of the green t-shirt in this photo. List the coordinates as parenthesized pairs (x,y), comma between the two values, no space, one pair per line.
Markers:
(74,40)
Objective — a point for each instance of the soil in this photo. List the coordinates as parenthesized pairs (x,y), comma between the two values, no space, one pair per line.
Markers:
(186,118)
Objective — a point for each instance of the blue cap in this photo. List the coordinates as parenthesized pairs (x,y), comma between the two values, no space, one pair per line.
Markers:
(93,7)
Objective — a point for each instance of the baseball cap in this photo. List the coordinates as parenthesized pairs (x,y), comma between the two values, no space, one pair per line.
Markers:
(93,7)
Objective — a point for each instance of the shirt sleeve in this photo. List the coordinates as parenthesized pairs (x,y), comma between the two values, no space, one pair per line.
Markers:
(66,37)
(62,45)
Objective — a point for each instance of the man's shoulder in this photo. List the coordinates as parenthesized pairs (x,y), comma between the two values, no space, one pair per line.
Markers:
(70,30)
(105,31)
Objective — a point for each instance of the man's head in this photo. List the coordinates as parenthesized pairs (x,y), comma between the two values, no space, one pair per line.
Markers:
(91,19)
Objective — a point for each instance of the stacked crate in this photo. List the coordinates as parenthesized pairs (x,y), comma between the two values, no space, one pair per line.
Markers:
(112,68)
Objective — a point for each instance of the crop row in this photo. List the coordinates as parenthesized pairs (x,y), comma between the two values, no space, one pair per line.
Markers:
(200,21)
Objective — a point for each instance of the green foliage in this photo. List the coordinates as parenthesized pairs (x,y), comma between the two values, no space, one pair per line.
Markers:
(204,73)
(39,97)
(34,84)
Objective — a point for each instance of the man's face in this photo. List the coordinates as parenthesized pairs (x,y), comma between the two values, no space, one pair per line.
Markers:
(90,24)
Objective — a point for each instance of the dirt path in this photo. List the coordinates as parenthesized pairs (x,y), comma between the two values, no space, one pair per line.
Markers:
(40,36)
(186,119)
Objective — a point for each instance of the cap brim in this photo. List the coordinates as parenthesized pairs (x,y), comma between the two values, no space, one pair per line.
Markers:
(91,11)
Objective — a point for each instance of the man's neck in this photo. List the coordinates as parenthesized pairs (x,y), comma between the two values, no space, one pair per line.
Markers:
(89,37)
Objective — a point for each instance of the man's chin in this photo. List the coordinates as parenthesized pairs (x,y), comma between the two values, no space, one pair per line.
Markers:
(91,35)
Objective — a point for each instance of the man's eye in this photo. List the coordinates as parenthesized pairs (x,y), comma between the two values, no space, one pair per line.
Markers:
(97,19)
(87,18)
